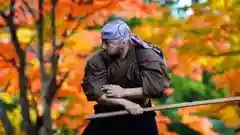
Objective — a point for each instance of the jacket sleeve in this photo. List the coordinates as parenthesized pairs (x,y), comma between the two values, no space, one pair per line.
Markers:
(94,77)
(153,74)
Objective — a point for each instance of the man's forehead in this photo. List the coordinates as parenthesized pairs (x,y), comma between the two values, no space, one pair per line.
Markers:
(113,40)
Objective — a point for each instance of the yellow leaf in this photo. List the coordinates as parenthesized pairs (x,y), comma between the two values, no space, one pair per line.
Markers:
(6,97)
(25,35)
(15,118)
(2,130)
(229,62)
(84,41)
(228,112)
(4,37)
(33,116)
(230,115)
(217,4)
(203,61)
(55,114)
(35,62)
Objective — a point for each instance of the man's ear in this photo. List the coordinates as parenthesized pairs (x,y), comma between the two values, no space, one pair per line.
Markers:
(125,42)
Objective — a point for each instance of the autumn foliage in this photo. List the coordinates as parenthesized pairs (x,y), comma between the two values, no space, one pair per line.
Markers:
(44,46)
(203,55)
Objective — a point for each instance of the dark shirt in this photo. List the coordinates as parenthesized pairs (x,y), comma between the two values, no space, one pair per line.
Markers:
(141,68)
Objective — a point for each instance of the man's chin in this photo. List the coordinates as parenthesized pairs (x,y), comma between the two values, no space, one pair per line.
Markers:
(113,54)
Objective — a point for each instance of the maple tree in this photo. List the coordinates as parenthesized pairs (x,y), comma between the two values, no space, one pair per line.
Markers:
(203,56)
(43,45)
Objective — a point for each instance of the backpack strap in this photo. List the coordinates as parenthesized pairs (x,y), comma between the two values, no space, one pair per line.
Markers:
(146,45)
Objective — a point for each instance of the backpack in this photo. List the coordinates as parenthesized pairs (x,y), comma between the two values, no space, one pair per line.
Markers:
(145,44)
(156,49)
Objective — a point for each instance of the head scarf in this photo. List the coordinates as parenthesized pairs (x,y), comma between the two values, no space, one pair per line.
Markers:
(118,29)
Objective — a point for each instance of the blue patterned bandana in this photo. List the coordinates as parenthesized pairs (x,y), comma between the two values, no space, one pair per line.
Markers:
(115,29)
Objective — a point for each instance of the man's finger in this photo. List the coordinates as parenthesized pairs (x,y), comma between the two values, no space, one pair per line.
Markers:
(133,112)
(110,94)
(107,87)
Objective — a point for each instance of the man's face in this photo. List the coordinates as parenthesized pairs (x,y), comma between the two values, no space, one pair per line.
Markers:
(112,47)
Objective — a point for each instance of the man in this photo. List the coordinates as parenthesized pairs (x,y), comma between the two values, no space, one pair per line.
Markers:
(124,75)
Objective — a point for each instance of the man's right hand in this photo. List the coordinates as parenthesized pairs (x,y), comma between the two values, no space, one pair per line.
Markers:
(133,108)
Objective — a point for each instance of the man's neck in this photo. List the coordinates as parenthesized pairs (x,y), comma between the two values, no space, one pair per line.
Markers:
(124,52)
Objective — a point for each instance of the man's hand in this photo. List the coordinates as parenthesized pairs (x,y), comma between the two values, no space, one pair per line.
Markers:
(113,91)
(118,92)
(133,108)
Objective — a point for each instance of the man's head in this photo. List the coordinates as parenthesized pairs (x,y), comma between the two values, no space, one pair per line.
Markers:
(115,35)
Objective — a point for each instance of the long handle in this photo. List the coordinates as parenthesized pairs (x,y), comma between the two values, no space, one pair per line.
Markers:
(164,107)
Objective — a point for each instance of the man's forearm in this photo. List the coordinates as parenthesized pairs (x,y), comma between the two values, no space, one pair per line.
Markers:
(133,93)
(113,101)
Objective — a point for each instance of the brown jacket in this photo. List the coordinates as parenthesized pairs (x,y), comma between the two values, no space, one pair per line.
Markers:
(141,68)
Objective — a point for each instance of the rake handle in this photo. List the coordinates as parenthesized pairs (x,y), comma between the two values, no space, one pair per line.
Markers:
(164,107)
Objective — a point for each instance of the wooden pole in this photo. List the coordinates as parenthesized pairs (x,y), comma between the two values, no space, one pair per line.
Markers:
(164,107)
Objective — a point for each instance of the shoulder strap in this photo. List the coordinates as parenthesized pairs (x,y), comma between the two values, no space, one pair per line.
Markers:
(159,52)
(144,44)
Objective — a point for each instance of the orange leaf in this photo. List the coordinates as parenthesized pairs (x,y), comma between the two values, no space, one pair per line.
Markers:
(36,85)
(196,73)
(173,60)
(169,91)
(74,109)
(77,122)
(2,21)
(66,93)
(62,121)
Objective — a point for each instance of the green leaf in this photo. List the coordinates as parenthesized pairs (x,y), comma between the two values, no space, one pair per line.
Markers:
(224,92)
(172,114)
(219,126)
(181,129)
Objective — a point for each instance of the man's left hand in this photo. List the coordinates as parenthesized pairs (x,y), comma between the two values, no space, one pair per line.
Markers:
(113,91)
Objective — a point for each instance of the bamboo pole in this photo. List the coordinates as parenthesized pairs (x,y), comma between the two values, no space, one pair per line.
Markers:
(164,107)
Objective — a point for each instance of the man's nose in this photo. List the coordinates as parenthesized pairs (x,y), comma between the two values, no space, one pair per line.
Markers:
(104,47)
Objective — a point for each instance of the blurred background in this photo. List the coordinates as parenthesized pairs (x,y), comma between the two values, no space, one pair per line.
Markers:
(44,46)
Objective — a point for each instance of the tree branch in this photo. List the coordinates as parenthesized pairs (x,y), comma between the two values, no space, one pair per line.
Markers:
(64,78)
(12,61)
(40,26)
(231,53)
(52,82)
(67,33)
(83,2)
(33,100)
(5,17)
(29,9)
(23,81)
(54,88)
(7,86)
(8,127)
(47,121)
(55,56)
